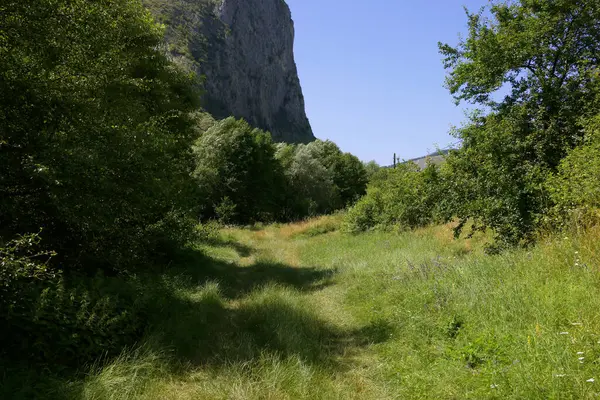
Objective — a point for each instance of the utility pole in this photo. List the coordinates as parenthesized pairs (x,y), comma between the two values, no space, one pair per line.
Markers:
(394,160)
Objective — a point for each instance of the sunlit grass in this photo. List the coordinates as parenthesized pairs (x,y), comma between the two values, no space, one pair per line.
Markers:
(304,311)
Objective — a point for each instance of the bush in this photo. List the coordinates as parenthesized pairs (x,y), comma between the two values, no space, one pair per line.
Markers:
(405,198)
(496,179)
(52,319)
(95,132)
(575,188)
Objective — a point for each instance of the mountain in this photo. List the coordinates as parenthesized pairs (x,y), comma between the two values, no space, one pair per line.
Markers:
(243,49)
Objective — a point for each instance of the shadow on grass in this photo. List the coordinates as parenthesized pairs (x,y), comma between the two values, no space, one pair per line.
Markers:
(237,281)
(241,249)
(193,320)
(207,333)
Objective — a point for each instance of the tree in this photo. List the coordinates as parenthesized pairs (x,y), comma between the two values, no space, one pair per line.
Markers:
(237,173)
(372,167)
(404,198)
(350,176)
(312,190)
(544,53)
(347,172)
(575,187)
(95,131)
(490,181)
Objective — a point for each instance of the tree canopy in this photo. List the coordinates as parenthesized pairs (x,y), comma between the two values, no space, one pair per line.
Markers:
(543,54)
(95,128)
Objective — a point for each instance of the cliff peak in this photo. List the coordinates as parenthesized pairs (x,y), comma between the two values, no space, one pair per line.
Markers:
(244,51)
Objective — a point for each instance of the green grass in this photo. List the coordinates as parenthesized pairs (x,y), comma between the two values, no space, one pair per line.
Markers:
(304,311)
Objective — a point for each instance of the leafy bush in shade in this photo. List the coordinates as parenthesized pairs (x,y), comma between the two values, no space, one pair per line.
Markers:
(49,318)
(95,132)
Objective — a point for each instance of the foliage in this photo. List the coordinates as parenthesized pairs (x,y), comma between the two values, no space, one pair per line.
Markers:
(575,188)
(347,172)
(321,178)
(238,177)
(312,190)
(371,168)
(492,181)
(405,198)
(94,132)
(542,56)
(53,318)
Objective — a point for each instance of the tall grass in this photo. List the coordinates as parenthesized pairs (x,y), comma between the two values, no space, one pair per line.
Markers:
(524,324)
(304,311)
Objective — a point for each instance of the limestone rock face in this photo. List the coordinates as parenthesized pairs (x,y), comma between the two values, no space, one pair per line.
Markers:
(244,51)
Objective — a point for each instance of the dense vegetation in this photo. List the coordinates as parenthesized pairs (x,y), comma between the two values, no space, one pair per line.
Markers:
(531,67)
(107,164)
(243,177)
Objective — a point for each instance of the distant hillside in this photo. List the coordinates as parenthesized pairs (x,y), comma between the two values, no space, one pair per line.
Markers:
(436,158)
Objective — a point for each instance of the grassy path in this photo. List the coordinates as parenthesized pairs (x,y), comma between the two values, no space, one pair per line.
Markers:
(304,312)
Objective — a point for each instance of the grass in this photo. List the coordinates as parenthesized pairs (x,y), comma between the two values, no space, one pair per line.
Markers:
(304,311)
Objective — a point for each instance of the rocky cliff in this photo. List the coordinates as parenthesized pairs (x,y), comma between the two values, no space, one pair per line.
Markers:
(244,51)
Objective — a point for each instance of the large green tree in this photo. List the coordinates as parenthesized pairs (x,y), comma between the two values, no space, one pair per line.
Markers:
(542,54)
(95,130)
(532,64)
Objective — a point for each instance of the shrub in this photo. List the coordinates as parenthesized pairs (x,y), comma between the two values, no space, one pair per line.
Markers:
(50,318)
(404,198)
(496,179)
(575,187)
(95,131)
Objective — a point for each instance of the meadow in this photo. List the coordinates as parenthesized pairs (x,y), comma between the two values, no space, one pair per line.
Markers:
(290,311)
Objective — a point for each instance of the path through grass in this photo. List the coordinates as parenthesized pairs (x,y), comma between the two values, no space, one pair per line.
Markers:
(304,311)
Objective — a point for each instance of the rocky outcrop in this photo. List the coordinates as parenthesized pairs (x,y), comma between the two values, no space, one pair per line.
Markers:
(244,51)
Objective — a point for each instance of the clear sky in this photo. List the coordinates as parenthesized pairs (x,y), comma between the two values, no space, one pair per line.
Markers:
(372,76)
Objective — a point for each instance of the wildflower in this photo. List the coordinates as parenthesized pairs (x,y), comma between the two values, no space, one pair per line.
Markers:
(580,353)
(591,380)
(576,323)
(581,358)
(493,386)
(564,333)
(559,375)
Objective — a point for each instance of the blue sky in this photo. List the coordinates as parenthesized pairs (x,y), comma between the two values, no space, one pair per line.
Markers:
(372,76)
